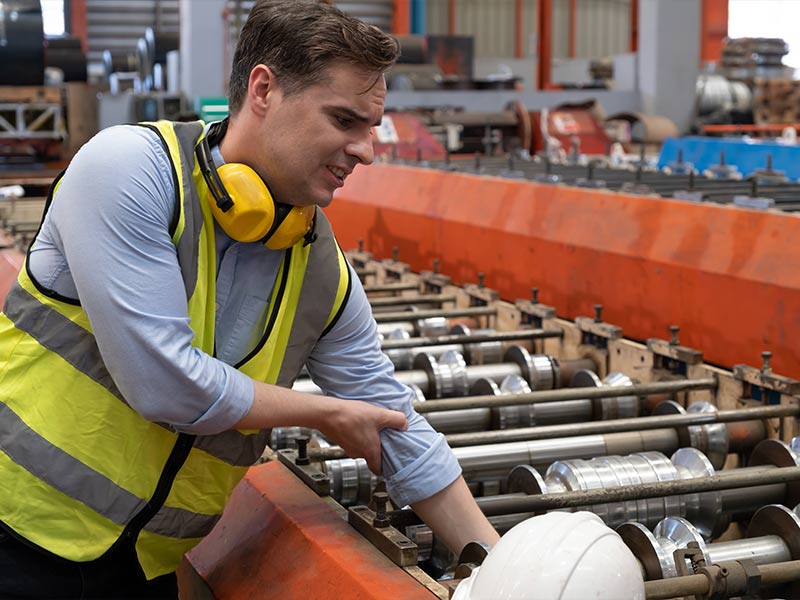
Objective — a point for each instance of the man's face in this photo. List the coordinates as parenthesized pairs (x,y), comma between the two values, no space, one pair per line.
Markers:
(316,137)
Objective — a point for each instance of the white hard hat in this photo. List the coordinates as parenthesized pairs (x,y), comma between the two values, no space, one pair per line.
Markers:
(556,556)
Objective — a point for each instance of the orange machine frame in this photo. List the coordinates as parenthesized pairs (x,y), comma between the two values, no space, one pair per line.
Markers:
(278,539)
(729,277)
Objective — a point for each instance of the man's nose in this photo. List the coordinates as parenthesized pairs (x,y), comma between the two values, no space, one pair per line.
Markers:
(362,149)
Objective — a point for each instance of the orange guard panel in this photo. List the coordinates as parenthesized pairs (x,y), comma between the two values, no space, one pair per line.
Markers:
(729,277)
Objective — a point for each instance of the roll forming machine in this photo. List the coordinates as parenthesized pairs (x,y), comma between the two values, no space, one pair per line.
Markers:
(692,464)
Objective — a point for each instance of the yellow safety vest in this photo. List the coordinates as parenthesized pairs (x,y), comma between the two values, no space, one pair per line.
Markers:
(80,471)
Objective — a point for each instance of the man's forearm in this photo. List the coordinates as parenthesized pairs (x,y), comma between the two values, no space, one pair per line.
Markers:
(352,424)
(455,518)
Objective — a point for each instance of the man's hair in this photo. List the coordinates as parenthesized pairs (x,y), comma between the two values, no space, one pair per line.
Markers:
(299,39)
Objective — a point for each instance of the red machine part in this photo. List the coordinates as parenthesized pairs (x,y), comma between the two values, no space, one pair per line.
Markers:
(404,136)
(571,123)
(278,539)
(729,277)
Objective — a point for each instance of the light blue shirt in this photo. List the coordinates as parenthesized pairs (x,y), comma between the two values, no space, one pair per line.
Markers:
(106,242)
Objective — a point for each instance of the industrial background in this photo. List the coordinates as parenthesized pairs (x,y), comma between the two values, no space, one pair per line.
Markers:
(578,243)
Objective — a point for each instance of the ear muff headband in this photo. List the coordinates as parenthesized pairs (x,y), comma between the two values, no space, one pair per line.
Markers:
(243,205)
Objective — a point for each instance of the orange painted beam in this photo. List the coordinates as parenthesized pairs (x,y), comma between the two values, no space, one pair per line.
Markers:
(634,43)
(401,17)
(518,29)
(78,22)
(451,17)
(277,540)
(713,29)
(729,277)
(573,25)
(544,21)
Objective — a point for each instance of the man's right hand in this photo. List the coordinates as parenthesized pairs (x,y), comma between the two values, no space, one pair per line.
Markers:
(354,425)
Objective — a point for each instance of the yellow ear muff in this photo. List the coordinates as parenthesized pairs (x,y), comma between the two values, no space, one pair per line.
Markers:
(294,226)
(253,211)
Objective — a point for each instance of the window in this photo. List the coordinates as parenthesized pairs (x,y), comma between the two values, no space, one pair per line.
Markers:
(53,15)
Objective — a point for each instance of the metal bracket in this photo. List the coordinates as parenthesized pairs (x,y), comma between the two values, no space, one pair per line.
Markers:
(606,331)
(359,258)
(532,312)
(394,269)
(480,295)
(683,354)
(434,282)
(766,379)
(308,474)
(397,547)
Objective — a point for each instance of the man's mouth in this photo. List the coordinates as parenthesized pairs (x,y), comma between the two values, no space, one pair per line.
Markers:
(340,174)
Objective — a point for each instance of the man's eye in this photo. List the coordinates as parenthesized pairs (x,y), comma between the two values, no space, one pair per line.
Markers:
(344,121)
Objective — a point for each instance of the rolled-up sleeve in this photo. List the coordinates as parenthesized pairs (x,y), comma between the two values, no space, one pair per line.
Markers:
(106,236)
(348,363)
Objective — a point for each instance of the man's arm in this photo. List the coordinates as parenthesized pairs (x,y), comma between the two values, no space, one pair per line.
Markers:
(419,468)
(455,518)
(354,425)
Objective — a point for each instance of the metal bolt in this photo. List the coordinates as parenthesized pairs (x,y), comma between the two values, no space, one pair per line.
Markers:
(380,499)
(395,253)
(302,451)
(598,313)
(435,266)
(535,295)
(766,356)
(419,154)
(673,331)
(480,279)
(361,245)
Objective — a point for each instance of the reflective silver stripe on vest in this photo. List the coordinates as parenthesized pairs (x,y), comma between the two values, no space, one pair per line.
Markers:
(78,347)
(316,300)
(234,447)
(63,472)
(180,523)
(58,334)
(49,463)
(188,134)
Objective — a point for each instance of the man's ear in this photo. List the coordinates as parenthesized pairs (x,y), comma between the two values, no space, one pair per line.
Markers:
(261,88)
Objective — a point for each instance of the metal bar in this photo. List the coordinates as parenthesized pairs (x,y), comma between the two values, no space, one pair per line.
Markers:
(644,491)
(546,432)
(567,430)
(401,17)
(391,287)
(544,10)
(698,585)
(634,41)
(642,389)
(365,272)
(475,311)
(451,17)
(477,338)
(573,19)
(401,300)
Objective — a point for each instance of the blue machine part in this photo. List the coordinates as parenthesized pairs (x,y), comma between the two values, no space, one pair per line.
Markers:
(747,155)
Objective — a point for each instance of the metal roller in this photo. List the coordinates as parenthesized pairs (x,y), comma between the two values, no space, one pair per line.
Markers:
(711,512)
(66,53)
(21,43)
(450,375)
(773,536)
(429,326)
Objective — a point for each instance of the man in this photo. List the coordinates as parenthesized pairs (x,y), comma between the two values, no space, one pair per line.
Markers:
(151,337)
